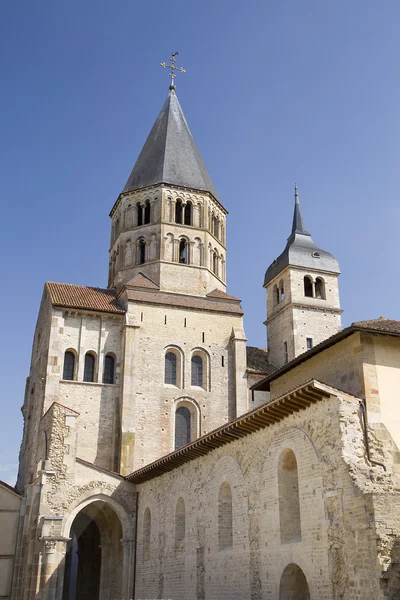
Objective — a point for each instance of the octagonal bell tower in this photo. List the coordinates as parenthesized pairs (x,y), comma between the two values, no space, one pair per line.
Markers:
(303,307)
(168,222)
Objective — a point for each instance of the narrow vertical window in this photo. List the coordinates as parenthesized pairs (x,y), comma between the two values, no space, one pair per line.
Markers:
(88,372)
(178,211)
(139,212)
(109,364)
(197,371)
(180,527)
(69,365)
(182,427)
(183,252)
(285,353)
(170,368)
(320,288)
(309,343)
(146,534)
(215,262)
(188,214)
(308,287)
(289,499)
(225,517)
(142,252)
(147,210)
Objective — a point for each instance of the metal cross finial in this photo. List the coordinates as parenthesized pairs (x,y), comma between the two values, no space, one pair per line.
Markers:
(173,68)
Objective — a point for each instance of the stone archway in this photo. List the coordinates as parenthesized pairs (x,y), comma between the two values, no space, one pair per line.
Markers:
(293,585)
(94,558)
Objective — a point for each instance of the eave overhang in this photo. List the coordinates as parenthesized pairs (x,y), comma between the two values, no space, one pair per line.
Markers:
(268,414)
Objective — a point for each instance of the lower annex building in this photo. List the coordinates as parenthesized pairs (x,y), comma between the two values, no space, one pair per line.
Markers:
(163,458)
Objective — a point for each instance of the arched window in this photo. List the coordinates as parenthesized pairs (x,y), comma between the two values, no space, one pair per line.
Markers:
(197,371)
(69,366)
(225,517)
(170,368)
(182,427)
(289,499)
(178,211)
(142,251)
(215,262)
(320,288)
(281,291)
(308,287)
(293,584)
(188,214)
(88,372)
(147,210)
(180,527)
(146,534)
(109,364)
(139,214)
(183,252)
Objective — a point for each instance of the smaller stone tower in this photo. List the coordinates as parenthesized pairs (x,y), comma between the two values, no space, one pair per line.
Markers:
(303,306)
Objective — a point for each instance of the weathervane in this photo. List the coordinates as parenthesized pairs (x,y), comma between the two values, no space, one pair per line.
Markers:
(173,68)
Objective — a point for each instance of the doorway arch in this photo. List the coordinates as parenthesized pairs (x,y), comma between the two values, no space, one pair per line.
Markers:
(293,585)
(94,557)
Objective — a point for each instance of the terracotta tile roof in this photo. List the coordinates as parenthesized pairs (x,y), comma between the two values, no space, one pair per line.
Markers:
(381,324)
(83,297)
(257,361)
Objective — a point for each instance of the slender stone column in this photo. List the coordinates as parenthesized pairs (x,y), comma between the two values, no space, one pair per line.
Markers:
(128,568)
(52,567)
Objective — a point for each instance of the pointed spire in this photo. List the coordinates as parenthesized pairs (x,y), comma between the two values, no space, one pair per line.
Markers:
(170,154)
(298,221)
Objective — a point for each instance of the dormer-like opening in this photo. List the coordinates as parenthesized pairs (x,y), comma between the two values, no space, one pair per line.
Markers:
(188,213)
(183,258)
(147,212)
(139,219)
(320,288)
(308,287)
(178,211)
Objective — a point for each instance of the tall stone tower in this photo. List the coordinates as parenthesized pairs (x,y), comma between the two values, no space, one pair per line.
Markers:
(168,222)
(303,307)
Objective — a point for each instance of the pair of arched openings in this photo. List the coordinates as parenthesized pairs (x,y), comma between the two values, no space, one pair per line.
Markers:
(225,524)
(278,293)
(314,289)
(183,213)
(89,371)
(179,530)
(173,368)
(143,213)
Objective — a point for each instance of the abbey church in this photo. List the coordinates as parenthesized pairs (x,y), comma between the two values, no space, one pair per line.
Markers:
(164,458)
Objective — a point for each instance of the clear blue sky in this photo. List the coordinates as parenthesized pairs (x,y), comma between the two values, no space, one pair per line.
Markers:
(276,92)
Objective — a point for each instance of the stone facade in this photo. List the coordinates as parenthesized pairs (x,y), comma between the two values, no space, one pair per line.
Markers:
(161,458)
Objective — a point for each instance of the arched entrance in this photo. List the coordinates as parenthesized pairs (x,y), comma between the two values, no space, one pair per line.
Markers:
(293,584)
(93,562)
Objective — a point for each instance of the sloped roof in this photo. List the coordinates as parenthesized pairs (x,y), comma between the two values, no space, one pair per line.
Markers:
(170,154)
(301,251)
(257,361)
(142,281)
(267,414)
(83,297)
(381,326)
(222,295)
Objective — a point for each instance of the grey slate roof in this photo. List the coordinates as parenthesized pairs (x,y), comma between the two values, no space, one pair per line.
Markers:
(301,251)
(170,154)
